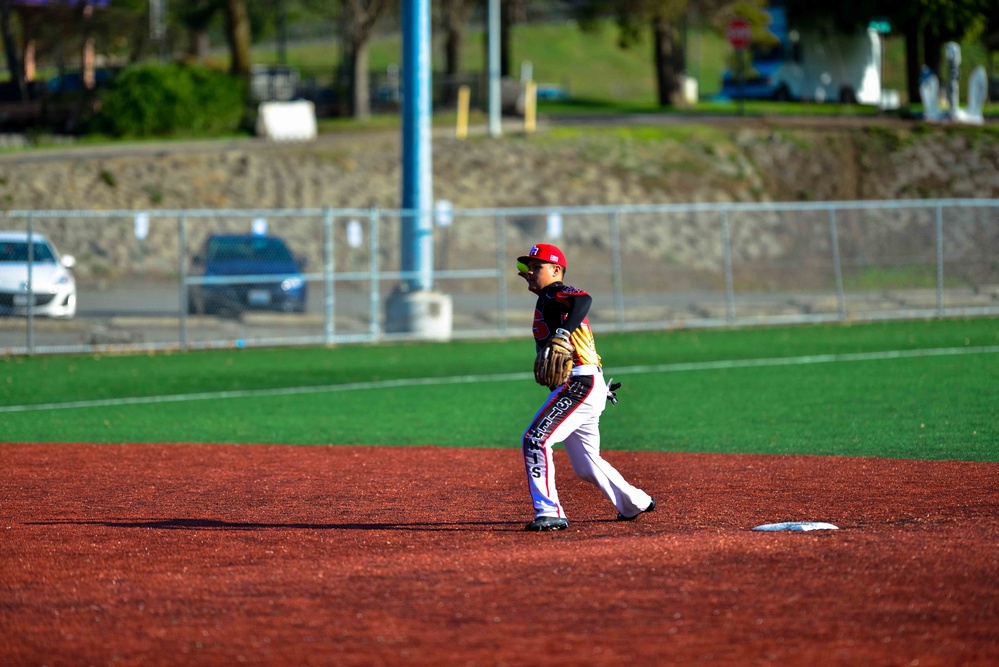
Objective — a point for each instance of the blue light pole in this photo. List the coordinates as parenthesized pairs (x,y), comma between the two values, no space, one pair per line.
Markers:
(417,159)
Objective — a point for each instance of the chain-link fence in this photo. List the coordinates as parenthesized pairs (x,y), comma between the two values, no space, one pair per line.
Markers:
(120,280)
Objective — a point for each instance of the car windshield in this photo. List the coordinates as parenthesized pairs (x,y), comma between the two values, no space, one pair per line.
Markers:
(17,251)
(237,249)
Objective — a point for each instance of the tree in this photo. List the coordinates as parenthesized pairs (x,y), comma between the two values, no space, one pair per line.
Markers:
(63,24)
(14,63)
(664,19)
(358,19)
(454,15)
(667,54)
(929,24)
(237,30)
(990,38)
(925,25)
(452,20)
(511,13)
(196,16)
(123,29)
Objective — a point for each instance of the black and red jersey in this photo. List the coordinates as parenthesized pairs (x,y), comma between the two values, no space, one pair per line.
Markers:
(562,306)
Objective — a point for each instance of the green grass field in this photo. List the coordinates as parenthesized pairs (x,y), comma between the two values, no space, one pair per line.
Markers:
(691,391)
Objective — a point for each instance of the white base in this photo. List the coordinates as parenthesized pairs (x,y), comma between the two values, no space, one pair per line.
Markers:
(796,526)
(425,314)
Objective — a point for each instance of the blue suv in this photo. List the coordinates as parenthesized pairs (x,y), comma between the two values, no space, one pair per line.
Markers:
(240,272)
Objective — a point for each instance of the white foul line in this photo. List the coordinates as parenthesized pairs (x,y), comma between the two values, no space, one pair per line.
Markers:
(506,377)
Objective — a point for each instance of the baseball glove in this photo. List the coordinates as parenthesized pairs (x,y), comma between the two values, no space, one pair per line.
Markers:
(554,361)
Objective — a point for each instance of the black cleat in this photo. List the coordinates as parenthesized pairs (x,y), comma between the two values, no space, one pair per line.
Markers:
(547,523)
(650,508)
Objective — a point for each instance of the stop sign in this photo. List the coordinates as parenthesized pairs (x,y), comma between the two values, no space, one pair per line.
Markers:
(739,33)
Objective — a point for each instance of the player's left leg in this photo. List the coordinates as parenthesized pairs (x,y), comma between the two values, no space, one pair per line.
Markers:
(583,448)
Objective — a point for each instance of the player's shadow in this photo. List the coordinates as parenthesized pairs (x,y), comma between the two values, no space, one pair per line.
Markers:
(217,524)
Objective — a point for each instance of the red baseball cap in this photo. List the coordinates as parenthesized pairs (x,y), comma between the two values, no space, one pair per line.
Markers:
(546,253)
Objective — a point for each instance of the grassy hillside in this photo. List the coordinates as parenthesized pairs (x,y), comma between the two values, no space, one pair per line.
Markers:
(591,65)
(587,64)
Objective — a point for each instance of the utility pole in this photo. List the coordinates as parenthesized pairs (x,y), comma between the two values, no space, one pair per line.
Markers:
(157,26)
(414,307)
(417,160)
(495,90)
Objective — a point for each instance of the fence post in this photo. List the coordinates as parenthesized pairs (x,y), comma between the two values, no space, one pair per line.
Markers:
(182,271)
(329,260)
(727,257)
(940,267)
(837,269)
(500,263)
(616,276)
(373,297)
(30,285)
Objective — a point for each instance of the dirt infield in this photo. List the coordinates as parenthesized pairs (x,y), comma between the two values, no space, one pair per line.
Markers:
(284,555)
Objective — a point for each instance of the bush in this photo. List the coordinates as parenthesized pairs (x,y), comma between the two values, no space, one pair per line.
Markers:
(168,99)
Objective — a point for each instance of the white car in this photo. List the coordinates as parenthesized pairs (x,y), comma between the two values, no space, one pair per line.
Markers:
(53,288)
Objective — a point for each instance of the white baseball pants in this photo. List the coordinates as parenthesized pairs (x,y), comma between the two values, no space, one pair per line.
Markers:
(571,415)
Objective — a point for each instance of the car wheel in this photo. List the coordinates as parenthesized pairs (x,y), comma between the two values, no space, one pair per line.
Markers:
(228,305)
(782,94)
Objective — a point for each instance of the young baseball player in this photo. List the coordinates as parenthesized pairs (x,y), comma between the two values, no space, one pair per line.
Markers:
(568,364)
